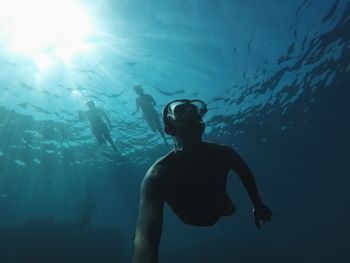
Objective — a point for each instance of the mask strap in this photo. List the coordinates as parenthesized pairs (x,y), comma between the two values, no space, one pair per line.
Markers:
(177,145)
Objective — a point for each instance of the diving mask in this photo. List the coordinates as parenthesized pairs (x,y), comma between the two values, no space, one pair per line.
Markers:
(179,112)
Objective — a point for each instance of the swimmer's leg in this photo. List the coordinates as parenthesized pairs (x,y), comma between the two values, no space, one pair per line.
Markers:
(99,137)
(159,128)
(108,137)
(150,123)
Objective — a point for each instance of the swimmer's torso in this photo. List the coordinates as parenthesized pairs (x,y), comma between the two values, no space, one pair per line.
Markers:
(95,117)
(145,103)
(195,185)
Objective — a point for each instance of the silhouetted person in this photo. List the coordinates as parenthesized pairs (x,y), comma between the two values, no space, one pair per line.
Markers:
(191,179)
(98,126)
(151,115)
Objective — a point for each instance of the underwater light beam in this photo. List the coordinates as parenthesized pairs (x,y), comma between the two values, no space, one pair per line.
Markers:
(45,30)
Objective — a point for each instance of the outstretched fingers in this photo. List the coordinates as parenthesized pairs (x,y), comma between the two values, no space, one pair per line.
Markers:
(262,216)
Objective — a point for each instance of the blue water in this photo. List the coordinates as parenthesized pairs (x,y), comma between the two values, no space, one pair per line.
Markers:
(275,76)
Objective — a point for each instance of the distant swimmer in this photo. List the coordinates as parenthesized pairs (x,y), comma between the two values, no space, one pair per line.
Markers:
(191,179)
(146,102)
(98,126)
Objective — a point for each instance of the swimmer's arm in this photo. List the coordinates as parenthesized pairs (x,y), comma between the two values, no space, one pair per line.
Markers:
(246,176)
(137,108)
(262,213)
(106,117)
(150,220)
(153,102)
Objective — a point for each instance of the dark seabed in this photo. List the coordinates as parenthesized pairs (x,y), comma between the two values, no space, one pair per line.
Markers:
(276,79)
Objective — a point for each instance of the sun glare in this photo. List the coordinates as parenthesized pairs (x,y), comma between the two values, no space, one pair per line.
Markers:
(45,29)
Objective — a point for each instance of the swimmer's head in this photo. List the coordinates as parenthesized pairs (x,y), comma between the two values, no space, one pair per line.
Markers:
(138,89)
(184,117)
(90,104)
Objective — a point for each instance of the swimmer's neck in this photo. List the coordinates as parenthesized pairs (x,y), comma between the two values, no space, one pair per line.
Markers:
(190,145)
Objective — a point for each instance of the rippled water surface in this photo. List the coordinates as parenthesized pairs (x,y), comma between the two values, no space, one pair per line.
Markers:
(275,76)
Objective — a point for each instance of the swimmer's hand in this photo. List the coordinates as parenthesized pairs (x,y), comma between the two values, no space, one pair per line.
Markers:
(262,214)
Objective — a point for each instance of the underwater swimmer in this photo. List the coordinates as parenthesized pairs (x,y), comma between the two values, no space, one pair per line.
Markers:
(98,126)
(191,179)
(146,103)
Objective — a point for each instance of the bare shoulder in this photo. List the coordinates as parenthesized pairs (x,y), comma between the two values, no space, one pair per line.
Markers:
(221,149)
(155,174)
(164,163)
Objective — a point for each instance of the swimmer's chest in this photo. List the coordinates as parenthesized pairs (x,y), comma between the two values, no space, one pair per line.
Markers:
(94,115)
(144,102)
(204,173)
